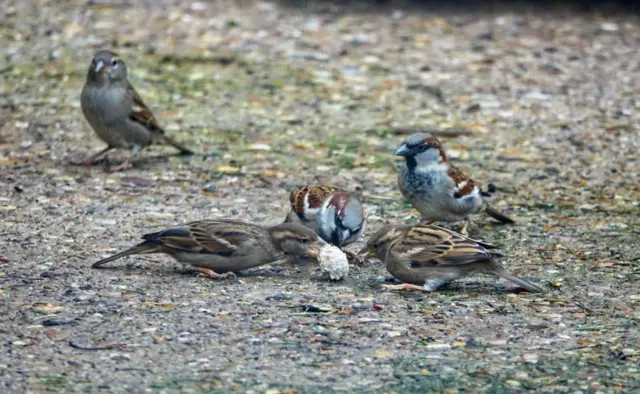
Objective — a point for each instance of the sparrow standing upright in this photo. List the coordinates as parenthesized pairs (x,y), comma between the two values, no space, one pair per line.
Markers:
(426,256)
(221,245)
(436,188)
(116,112)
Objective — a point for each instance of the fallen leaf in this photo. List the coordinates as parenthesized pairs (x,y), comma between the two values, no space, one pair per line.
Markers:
(513,383)
(53,334)
(207,294)
(46,307)
(497,342)
(229,170)
(381,353)
(274,174)
(393,334)
(262,147)
(158,305)
(130,293)
(579,315)
(458,343)
(302,145)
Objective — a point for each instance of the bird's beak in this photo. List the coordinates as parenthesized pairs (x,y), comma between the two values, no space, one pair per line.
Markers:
(367,252)
(402,150)
(338,237)
(99,66)
(314,249)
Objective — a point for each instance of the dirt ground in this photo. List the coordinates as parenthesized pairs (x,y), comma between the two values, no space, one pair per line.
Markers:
(546,102)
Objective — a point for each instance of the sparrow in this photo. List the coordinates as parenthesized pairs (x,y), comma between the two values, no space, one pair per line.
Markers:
(116,112)
(217,247)
(336,215)
(436,188)
(426,256)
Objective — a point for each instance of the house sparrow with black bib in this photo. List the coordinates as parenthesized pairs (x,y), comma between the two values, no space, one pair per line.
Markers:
(116,112)
(424,257)
(336,215)
(217,247)
(436,188)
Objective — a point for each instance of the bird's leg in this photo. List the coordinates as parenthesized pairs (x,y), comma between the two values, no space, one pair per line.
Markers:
(404,286)
(127,163)
(94,157)
(463,230)
(213,275)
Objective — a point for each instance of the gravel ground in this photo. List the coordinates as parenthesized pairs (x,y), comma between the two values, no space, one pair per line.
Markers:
(546,103)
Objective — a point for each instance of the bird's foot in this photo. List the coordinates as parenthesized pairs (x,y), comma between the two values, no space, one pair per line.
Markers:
(91,160)
(212,274)
(125,165)
(404,286)
(463,230)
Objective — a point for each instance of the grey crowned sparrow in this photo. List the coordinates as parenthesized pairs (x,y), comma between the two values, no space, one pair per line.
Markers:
(436,188)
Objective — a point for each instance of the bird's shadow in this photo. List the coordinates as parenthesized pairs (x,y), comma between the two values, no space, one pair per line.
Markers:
(74,160)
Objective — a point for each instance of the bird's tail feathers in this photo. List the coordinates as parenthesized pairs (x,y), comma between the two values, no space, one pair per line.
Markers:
(499,216)
(183,151)
(142,248)
(530,287)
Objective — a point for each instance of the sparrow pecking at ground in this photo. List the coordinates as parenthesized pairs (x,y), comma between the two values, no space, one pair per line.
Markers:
(436,188)
(116,112)
(426,256)
(217,247)
(337,216)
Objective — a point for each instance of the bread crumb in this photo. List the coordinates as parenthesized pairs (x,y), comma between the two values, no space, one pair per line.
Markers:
(334,261)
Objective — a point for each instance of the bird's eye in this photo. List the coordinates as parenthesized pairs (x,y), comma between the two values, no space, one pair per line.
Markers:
(114,63)
(304,240)
(375,245)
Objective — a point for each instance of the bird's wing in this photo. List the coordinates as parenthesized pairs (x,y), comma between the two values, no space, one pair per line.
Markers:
(428,245)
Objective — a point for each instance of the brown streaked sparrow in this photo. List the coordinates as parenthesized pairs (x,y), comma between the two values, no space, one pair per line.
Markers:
(217,247)
(436,188)
(116,112)
(426,256)
(336,215)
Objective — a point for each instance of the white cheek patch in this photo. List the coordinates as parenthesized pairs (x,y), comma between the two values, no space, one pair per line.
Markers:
(99,65)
